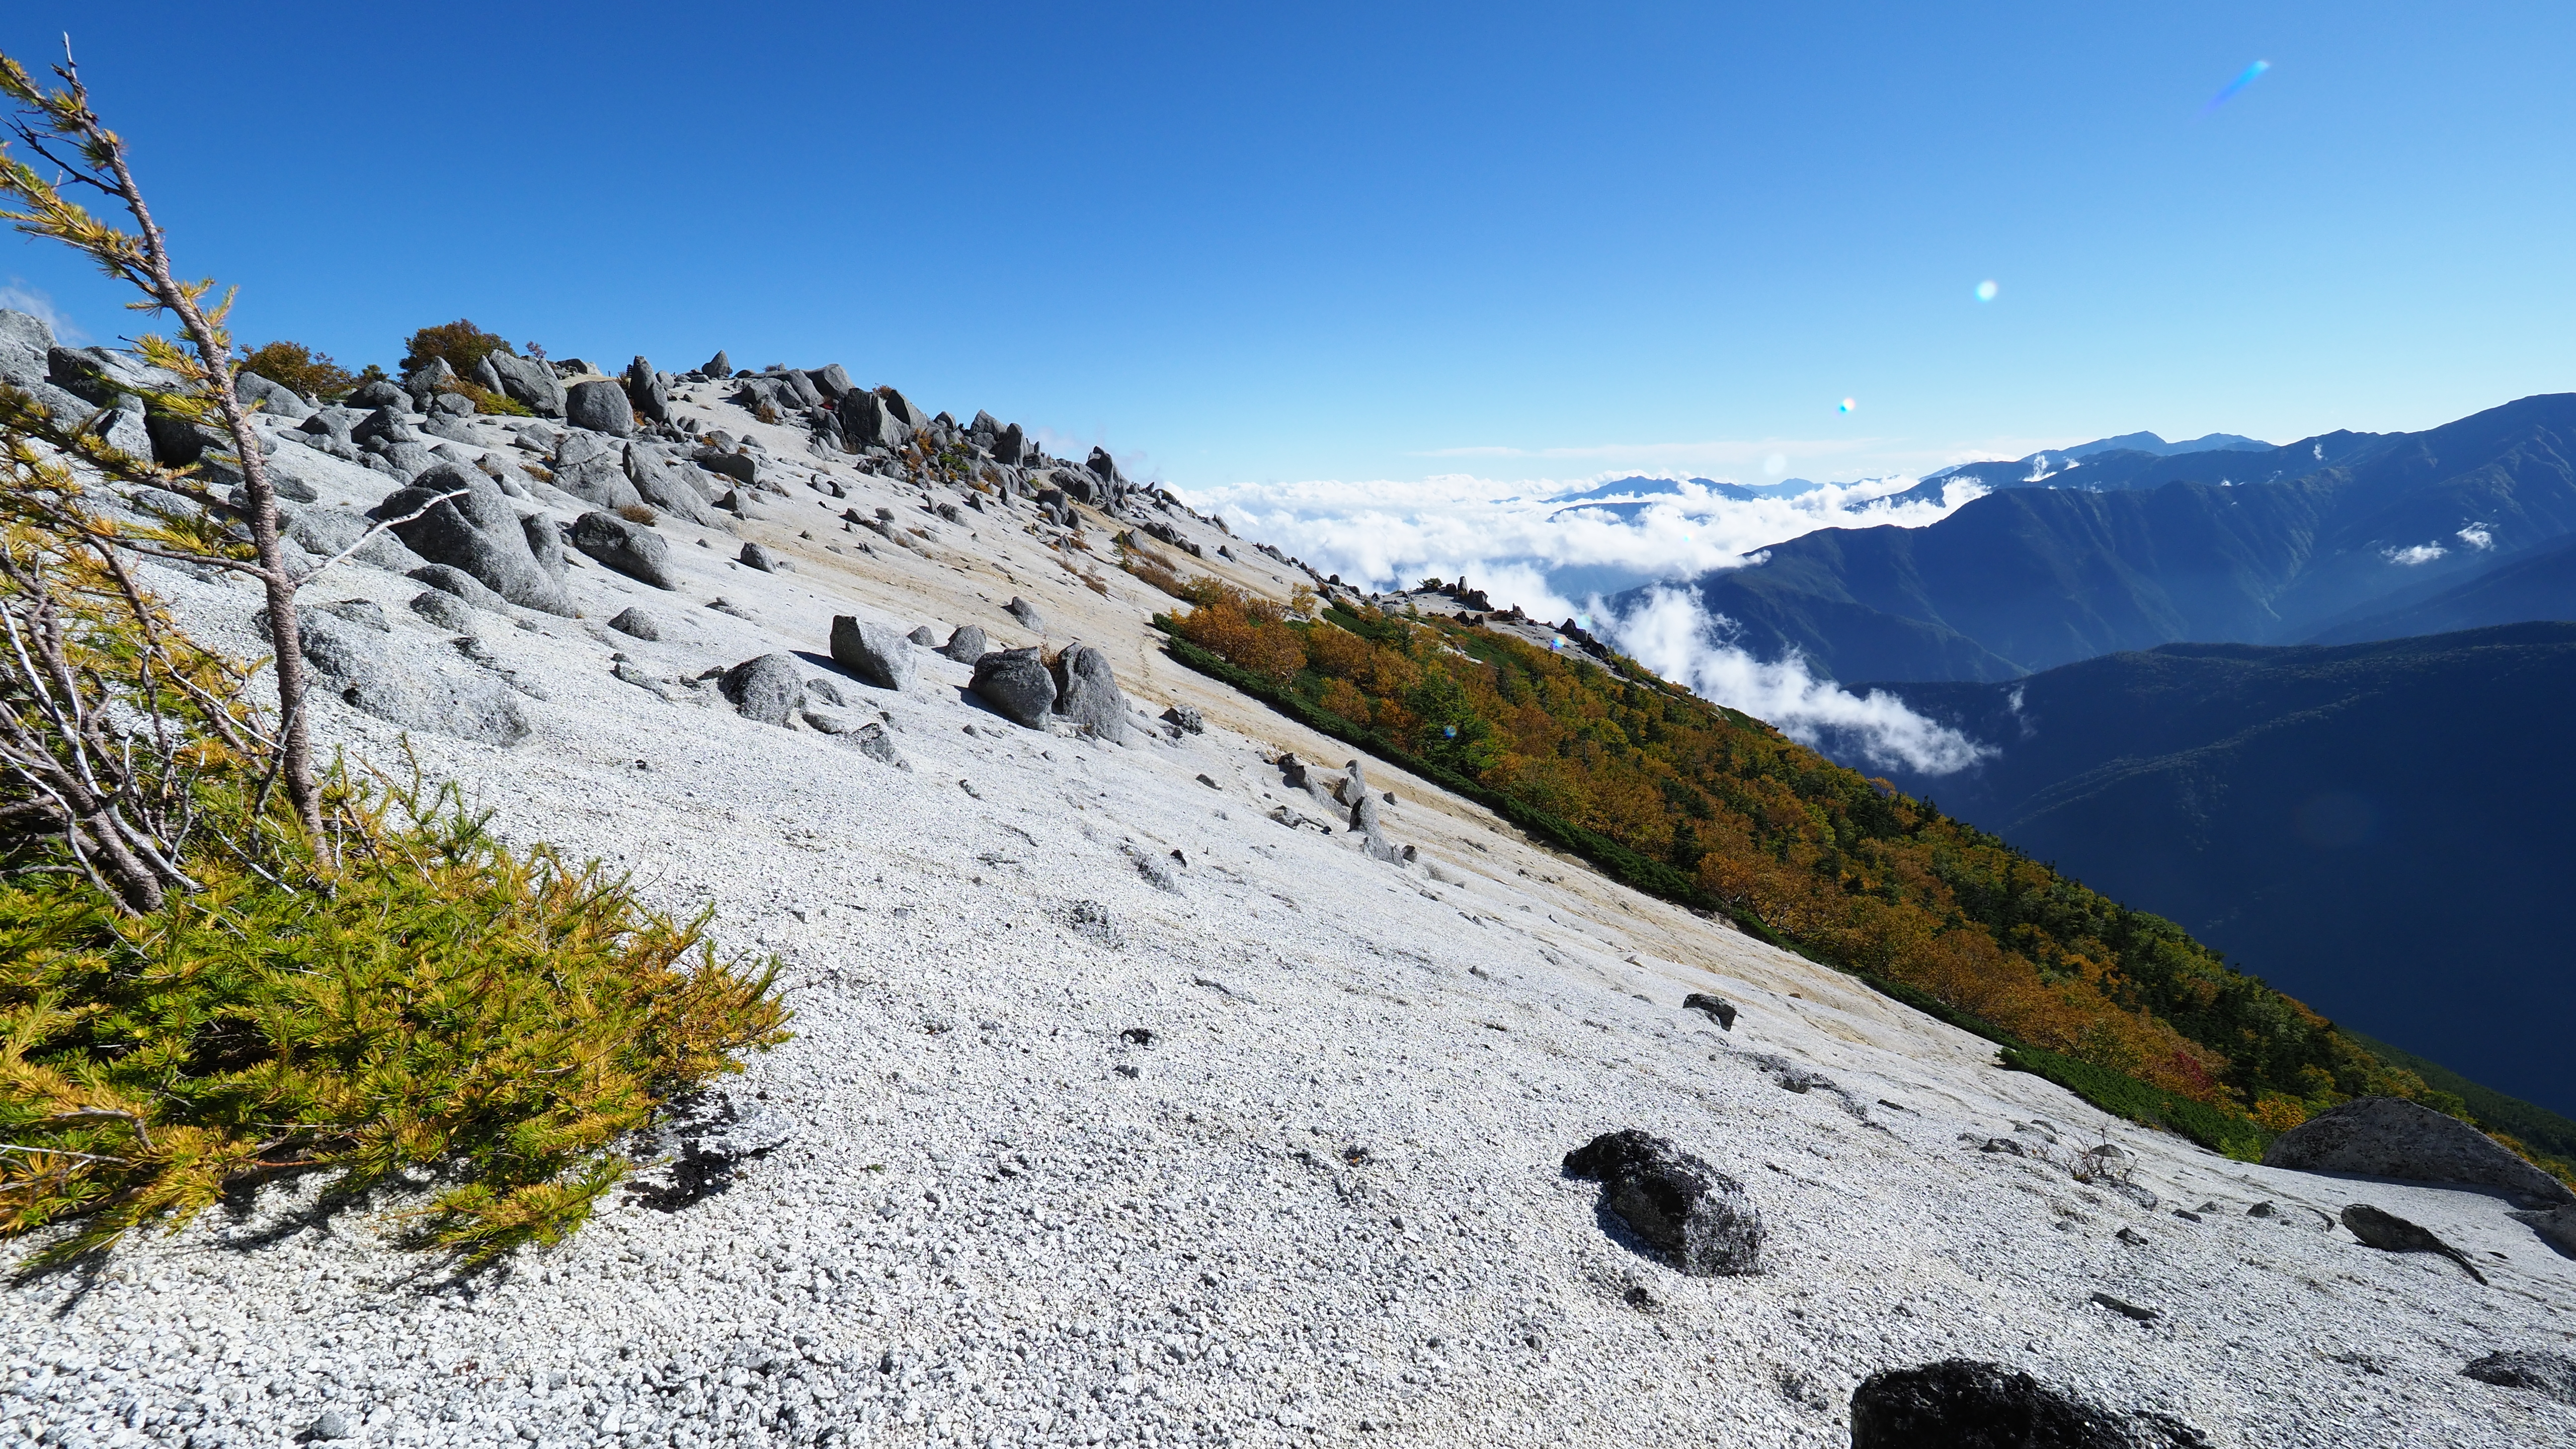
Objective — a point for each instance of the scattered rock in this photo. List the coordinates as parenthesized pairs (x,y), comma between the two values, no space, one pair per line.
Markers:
(1965,1404)
(636,623)
(924,635)
(1717,1008)
(2125,1308)
(826,691)
(1185,720)
(645,392)
(1027,613)
(592,469)
(756,557)
(600,405)
(1091,920)
(1015,684)
(1088,695)
(877,745)
(1137,1036)
(2390,1233)
(767,689)
(2553,1374)
(334,1424)
(1696,1216)
(664,487)
(874,653)
(2392,1137)
(445,610)
(966,644)
(718,366)
(2556,1227)
(456,583)
(476,531)
(529,381)
(630,548)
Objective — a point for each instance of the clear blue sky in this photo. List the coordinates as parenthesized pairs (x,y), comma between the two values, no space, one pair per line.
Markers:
(1362,242)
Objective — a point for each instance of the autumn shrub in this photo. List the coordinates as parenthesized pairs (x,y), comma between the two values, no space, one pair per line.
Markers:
(638,513)
(300,368)
(399,996)
(460,342)
(490,403)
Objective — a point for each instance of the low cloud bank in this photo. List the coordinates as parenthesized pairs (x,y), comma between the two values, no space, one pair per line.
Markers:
(1671,633)
(1538,546)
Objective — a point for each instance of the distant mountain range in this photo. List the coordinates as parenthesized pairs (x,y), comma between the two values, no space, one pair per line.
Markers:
(2128,550)
(2377,829)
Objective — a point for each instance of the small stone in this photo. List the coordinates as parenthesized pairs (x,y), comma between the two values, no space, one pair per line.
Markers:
(334,1424)
(925,636)
(636,623)
(2124,1308)
(1137,1036)
(1027,613)
(966,644)
(826,691)
(2392,1234)
(1716,1008)
(874,743)
(1189,722)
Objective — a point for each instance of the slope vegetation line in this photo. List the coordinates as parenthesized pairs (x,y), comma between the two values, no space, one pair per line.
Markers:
(1717,811)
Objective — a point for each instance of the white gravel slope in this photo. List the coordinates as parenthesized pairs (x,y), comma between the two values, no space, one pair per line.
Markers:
(1323,1205)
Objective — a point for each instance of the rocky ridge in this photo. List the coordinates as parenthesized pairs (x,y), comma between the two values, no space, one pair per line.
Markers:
(1152,1085)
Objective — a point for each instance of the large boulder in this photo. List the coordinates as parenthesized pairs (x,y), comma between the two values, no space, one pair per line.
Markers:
(902,411)
(2556,1226)
(384,392)
(866,421)
(122,427)
(877,654)
(629,548)
(1010,445)
(271,397)
(768,689)
(529,381)
(1087,694)
(831,380)
(1016,685)
(645,392)
(718,365)
(601,406)
(476,531)
(368,672)
(966,644)
(593,469)
(25,341)
(327,533)
(665,488)
(1967,1404)
(2392,1137)
(1697,1217)
(102,375)
(387,424)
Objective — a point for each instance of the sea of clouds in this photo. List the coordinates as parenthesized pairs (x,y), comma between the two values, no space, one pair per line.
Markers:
(1558,555)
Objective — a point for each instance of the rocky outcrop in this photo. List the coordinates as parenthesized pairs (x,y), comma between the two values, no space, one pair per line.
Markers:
(1087,694)
(1966,1404)
(1695,1216)
(2390,1233)
(2392,1137)
(476,532)
(601,406)
(646,393)
(529,381)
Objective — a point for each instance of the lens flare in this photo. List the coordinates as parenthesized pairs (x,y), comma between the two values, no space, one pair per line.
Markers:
(2243,79)
(1775,464)
(1846,405)
(1986,290)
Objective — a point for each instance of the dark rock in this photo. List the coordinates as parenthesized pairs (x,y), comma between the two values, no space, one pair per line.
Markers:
(630,548)
(2390,1233)
(645,392)
(545,544)
(387,424)
(2392,1137)
(877,745)
(768,689)
(445,610)
(459,584)
(1087,694)
(636,623)
(725,461)
(102,375)
(384,392)
(1016,685)
(903,411)
(1027,613)
(593,469)
(334,1424)
(2123,1307)
(826,691)
(530,382)
(1185,719)
(966,644)
(831,380)
(868,422)
(924,635)
(2553,1374)
(754,556)
(1010,446)
(451,405)
(718,366)
(1717,1008)
(601,406)
(476,531)
(1695,1215)
(874,653)
(1965,1404)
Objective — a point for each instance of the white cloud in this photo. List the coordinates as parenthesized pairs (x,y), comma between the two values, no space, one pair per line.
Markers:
(1671,633)
(17,296)
(1527,544)
(2422,553)
(2476,536)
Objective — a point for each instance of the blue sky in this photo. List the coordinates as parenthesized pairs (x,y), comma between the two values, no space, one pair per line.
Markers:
(1241,245)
